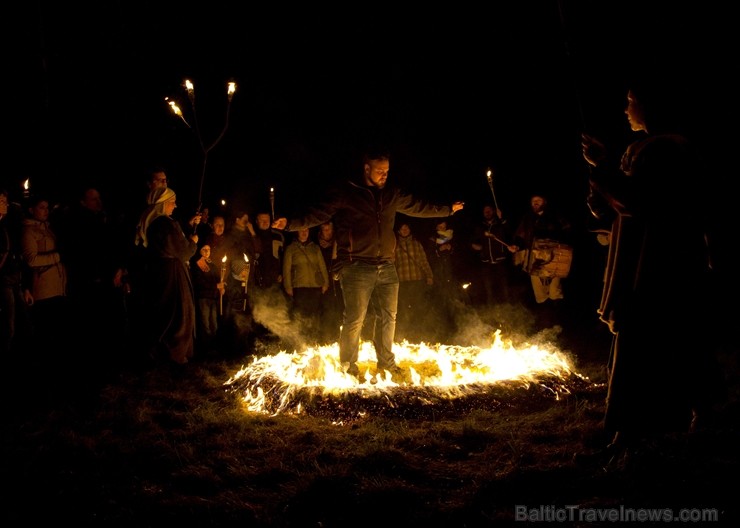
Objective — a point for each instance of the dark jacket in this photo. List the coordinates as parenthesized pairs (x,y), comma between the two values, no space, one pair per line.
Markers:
(205,283)
(269,262)
(364,218)
(492,237)
(11,255)
(657,284)
(170,299)
(655,263)
(546,226)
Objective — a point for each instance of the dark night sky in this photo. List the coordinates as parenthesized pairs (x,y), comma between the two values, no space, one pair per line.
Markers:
(452,89)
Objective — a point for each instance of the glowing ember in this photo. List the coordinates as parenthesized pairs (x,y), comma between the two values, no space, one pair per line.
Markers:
(313,381)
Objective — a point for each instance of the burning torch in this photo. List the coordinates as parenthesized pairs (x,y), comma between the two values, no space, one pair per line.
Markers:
(272,202)
(489,176)
(246,281)
(221,291)
(205,148)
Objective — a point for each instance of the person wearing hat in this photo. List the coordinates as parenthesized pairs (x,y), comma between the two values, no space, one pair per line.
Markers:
(170,317)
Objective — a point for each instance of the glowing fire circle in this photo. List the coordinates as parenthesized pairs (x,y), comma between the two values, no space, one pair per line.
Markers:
(436,380)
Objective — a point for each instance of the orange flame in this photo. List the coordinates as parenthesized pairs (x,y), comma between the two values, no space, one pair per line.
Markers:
(446,369)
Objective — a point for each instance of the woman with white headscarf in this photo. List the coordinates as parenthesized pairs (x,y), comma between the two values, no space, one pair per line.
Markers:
(170,321)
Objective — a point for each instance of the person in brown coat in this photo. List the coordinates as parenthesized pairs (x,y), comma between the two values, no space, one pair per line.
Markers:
(658,269)
(171,322)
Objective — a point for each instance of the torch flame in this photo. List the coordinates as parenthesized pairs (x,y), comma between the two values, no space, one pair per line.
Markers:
(176,110)
(173,105)
(223,259)
(26,184)
(246,259)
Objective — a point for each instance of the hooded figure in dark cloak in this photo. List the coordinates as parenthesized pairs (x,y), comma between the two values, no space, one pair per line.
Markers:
(170,321)
(656,297)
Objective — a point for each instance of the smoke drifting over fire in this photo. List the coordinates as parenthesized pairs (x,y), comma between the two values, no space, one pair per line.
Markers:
(457,324)
(477,365)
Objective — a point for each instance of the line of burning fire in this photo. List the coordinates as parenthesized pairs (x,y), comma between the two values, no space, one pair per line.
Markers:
(273,396)
(436,379)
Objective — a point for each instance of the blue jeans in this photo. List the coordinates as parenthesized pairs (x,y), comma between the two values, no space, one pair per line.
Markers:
(207,314)
(366,285)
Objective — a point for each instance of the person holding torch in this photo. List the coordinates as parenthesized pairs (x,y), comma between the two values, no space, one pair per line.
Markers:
(208,285)
(240,249)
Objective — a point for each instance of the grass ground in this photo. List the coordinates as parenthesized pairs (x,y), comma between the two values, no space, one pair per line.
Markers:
(158,447)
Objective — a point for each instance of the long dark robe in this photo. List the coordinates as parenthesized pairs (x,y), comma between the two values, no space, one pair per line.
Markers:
(171,306)
(656,289)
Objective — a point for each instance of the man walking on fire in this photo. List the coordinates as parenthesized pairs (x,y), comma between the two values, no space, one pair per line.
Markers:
(364,213)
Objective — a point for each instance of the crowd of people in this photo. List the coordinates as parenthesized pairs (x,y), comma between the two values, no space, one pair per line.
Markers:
(149,284)
(73,278)
(178,288)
